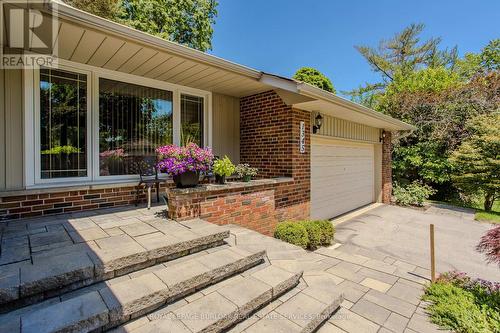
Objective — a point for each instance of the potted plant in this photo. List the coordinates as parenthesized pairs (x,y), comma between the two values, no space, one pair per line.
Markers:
(223,168)
(184,163)
(246,172)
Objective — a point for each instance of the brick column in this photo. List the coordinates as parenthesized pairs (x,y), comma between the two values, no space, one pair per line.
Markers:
(387,168)
(269,140)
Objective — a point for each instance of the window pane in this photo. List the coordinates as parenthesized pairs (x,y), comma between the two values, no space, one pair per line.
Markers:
(63,120)
(191,120)
(133,121)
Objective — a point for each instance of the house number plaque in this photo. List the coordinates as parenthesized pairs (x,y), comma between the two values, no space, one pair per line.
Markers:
(302,142)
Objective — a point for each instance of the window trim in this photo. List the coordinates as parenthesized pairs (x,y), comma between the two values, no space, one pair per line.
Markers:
(32,114)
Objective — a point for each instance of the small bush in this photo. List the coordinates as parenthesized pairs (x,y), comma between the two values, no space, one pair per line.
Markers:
(413,194)
(293,233)
(462,304)
(318,233)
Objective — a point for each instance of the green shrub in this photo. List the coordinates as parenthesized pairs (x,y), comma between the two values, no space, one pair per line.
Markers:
(306,234)
(413,194)
(462,309)
(224,167)
(293,233)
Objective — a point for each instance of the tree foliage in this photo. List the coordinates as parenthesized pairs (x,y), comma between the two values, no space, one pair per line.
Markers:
(314,77)
(401,55)
(477,160)
(187,22)
(109,9)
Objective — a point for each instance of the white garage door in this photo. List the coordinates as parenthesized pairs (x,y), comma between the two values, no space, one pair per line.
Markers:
(342,177)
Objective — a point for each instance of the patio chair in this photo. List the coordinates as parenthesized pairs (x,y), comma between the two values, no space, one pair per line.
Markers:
(148,171)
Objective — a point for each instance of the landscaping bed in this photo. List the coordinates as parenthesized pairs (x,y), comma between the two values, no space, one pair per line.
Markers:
(464,305)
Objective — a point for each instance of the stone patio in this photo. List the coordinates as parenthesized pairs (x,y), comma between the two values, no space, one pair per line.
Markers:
(135,271)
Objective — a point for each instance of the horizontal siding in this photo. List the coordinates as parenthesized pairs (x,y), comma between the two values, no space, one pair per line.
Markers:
(226,126)
(340,128)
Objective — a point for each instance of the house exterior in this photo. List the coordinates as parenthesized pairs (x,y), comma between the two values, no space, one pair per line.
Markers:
(115,92)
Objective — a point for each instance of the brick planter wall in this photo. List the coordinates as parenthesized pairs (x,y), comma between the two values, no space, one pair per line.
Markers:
(42,204)
(251,205)
(387,168)
(269,140)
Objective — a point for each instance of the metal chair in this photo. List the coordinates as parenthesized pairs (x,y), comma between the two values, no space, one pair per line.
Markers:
(147,169)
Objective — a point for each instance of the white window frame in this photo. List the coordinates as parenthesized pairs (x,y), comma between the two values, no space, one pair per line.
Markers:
(32,121)
(37,139)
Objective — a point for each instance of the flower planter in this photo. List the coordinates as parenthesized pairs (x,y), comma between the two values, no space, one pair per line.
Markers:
(220,179)
(186,179)
(247,178)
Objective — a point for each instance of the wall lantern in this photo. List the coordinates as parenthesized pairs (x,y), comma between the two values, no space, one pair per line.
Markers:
(318,121)
(382,137)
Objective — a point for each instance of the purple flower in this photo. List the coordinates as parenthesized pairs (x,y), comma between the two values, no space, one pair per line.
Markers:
(176,160)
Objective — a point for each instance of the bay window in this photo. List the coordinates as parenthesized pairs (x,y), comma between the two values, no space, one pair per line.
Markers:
(93,124)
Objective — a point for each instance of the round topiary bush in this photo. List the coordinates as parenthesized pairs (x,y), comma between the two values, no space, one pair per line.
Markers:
(327,231)
(293,233)
(314,233)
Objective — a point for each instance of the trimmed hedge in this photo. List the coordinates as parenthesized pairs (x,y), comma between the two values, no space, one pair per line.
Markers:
(306,234)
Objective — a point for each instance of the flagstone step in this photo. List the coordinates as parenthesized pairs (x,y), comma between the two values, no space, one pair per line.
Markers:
(304,312)
(61,270)
(118,300)
(219,307)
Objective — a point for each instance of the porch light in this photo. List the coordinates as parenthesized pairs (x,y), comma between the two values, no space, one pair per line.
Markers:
(382,137)
(318,121)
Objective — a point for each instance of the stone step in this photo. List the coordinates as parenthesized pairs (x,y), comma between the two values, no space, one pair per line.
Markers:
(56,272)
(304,312)
(118,300)
(219,307)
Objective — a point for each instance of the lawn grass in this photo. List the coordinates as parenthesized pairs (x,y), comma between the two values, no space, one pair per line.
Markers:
(481,215)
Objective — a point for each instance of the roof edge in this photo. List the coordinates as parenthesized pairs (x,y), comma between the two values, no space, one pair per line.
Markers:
(315,92)
(66,11)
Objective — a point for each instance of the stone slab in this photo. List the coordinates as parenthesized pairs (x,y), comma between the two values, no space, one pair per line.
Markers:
(81,314)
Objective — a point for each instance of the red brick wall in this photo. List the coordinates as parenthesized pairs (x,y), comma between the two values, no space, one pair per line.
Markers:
(251,207)
(269,140)
(387,168)
(31,205)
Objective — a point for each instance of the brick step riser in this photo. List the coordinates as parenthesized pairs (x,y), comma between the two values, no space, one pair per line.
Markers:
(59,285)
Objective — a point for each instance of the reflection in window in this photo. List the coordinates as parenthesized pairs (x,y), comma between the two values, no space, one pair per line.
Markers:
(133,121)
(63,117)
(191,120)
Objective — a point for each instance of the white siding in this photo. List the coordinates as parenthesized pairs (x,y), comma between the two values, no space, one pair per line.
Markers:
(340,128)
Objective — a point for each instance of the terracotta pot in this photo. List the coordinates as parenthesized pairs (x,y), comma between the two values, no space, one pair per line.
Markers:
(186,179)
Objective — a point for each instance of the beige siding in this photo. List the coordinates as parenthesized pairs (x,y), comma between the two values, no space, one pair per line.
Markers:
(378,172)
(226,126)
(2,130)
(340,128)
(13,130)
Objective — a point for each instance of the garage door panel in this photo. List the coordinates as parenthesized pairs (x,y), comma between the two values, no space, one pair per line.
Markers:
(342,177)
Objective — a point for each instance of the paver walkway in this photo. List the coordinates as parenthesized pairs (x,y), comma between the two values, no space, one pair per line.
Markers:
(381,293)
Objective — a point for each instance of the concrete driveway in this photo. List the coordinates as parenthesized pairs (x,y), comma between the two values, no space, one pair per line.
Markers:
(404,233)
